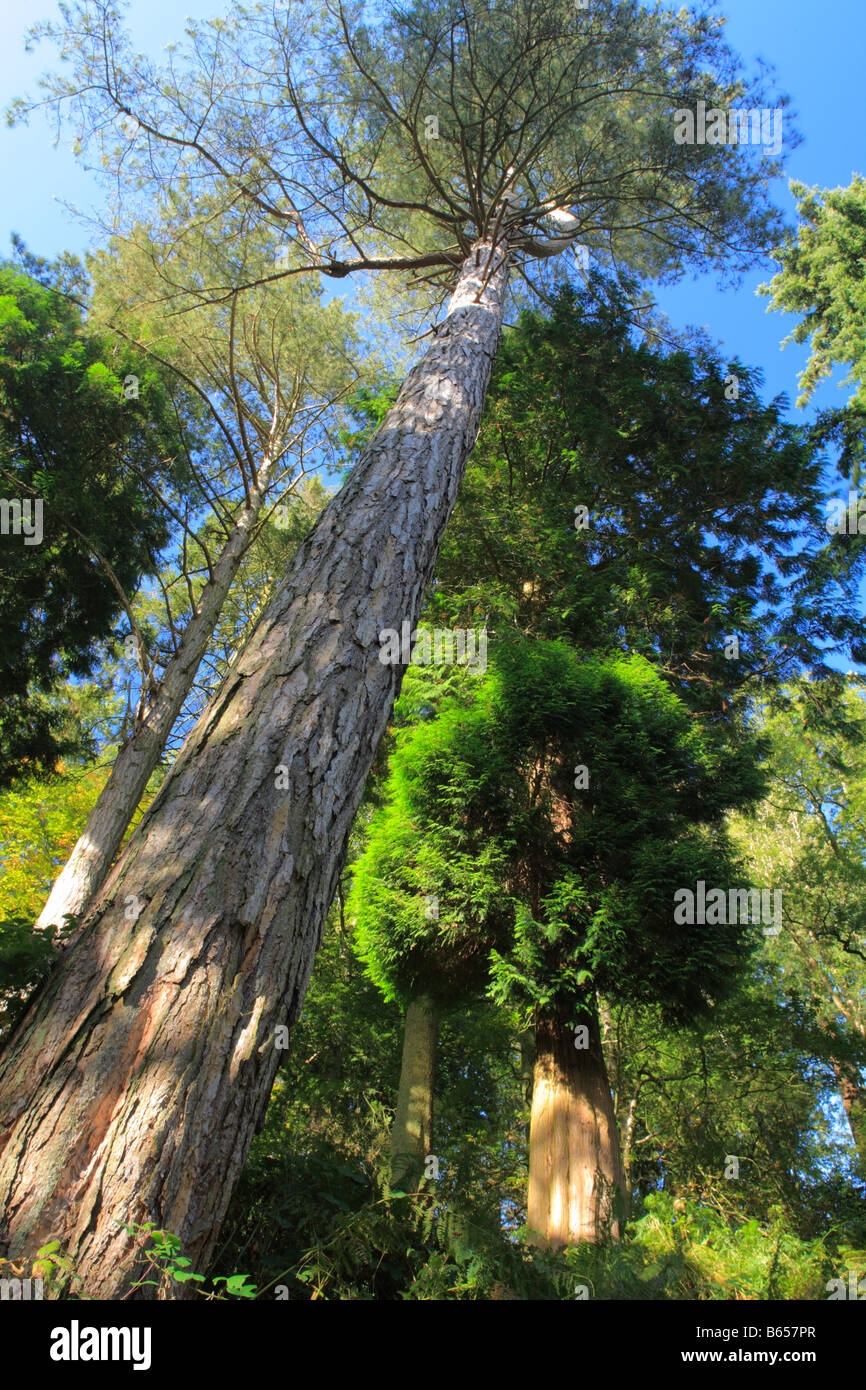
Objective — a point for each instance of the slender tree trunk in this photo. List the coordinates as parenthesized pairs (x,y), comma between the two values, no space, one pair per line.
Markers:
(628,1148)
(575,1169)
(854,1100)
(412,1132)
(134,1085)
(93,853)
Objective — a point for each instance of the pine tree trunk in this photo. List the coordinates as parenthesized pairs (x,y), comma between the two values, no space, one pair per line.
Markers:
(132,1088)
(575,1170)
(93,852)
(412,1132)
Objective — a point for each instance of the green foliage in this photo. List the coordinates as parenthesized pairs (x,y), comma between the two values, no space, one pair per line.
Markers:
(40,820)
(808,837)
(165,1261)
(821,279)
(442,835)
(159,1250)
(564,890)
(367,409)
(26,957)
(50,1264)
(313,1216)
(685,1250)
(748,1080)
(70,440)
(676,1250)
(706,515)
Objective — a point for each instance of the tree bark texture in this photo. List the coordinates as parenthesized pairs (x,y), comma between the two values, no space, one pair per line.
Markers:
(412,1131)
(133,1086)
(575,1168)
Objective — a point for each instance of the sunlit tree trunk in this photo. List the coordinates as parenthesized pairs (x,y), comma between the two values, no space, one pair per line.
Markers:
(134,1085)
(412,1131)
(576,1180)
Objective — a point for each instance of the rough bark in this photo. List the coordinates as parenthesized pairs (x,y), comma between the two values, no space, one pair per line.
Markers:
(412,1131)
(134,1085)
(575,1168)
(93,853)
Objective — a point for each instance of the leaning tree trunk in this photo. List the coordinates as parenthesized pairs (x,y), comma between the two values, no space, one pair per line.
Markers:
(412,1131)
(576,1181)
(134,1085)
(87,866)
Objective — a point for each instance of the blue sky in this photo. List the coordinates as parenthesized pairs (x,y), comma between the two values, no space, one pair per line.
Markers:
(816,49)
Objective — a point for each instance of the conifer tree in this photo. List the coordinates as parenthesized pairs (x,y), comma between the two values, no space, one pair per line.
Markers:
(552,811)
(79,529)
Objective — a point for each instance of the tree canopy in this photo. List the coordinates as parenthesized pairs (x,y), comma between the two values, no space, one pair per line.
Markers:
(74,444)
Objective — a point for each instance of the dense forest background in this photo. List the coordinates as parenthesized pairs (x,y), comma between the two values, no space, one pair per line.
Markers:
(535,1059)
